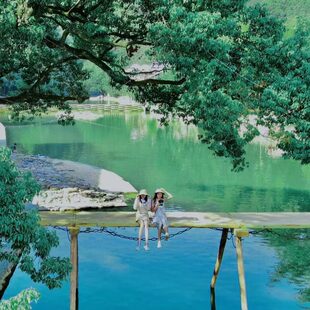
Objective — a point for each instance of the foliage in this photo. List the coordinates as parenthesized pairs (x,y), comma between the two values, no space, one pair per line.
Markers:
(286,8)
(99,83)
(21,301)
(223,61)
(23,240)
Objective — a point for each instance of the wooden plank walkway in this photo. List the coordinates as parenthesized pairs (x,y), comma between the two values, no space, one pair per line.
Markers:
(180,219)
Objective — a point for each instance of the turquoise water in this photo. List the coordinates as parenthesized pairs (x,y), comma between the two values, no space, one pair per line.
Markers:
(113,275)
(148,156)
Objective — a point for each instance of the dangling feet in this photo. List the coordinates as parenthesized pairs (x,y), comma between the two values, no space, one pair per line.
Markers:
(167,235)
(146,247)
(159,244)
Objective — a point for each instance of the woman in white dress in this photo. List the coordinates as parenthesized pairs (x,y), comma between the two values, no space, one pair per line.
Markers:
(160,217)
(143,205)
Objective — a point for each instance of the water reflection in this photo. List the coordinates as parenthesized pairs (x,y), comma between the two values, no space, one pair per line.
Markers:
(113,275)
(115,263)
(74,258)
(292,247)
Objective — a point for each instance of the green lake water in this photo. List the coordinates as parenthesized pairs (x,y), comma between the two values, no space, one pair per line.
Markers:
(149,156)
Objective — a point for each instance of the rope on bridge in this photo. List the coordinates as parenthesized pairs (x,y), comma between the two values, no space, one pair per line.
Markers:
(300,236)
(115,234)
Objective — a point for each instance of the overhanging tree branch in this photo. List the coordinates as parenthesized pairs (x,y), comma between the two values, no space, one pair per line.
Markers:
(42,76)
(156,81)
(65,13)
(33,96)
(117,76)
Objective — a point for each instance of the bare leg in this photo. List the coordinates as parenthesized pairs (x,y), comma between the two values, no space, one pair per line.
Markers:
(140,233)
(166,232)
(159,237)
(159,232)
(146,233)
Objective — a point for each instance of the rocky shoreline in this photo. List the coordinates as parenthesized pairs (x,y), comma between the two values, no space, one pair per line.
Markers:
(76,199)
(72,186)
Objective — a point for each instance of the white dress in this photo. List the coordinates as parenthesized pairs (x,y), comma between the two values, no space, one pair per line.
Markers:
(143,208)
(160,218)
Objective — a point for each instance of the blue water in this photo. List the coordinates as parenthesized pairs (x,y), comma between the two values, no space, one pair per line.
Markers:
(113,275)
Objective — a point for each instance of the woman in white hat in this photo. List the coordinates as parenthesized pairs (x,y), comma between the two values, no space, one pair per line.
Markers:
(160,217)
(143,205)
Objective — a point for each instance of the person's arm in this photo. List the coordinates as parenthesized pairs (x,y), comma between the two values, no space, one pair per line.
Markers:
(149,205)
(168,195)
(153,206)
(135,205)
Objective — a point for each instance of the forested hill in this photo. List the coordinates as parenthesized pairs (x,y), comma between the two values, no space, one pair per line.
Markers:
(289,9)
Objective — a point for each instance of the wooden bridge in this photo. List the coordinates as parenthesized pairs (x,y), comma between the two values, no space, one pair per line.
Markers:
(247,220)
(238,223)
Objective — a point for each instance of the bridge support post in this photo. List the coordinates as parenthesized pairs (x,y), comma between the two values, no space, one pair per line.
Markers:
(74,288)
(239,233)
(219,257)
(217,266)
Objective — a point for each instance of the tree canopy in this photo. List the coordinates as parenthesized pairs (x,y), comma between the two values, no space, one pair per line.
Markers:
(223,60)
(22,240)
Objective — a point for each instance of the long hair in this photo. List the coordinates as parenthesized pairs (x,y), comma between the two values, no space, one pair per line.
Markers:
(155,196)
(146,198)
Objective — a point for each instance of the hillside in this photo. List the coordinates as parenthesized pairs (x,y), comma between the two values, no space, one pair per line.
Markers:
(288,9)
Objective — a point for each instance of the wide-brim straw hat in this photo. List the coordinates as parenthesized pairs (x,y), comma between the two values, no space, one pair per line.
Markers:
(143,192)
(160,190)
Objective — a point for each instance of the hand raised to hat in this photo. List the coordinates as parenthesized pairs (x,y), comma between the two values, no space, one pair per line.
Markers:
(168,195)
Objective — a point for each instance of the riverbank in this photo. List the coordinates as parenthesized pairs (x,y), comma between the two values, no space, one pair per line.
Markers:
(68,185)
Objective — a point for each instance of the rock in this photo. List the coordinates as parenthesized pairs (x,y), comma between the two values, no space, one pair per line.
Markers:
(76,199)
(68,185)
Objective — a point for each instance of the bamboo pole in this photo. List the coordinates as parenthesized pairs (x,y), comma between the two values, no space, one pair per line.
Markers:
(212,298)
(244,303)
(219,257)
(217,267)
(74,289)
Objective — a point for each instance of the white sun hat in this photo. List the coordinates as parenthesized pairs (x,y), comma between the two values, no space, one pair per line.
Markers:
(143,192)
(160,190)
